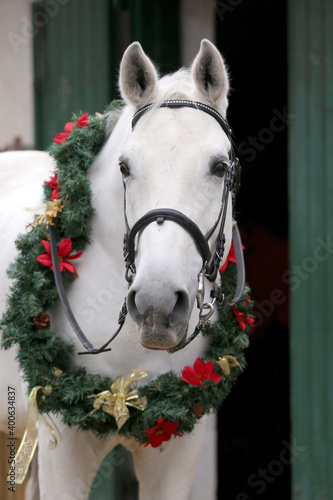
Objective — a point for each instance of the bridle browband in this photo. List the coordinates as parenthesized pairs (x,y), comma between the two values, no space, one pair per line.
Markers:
(183,103)
(211,262)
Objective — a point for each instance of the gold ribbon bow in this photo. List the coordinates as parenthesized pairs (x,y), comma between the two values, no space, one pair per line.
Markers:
(115,403)
(28,445)
(53,208)
(227,362)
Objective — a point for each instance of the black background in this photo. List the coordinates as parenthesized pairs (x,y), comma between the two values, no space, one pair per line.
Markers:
(254,426)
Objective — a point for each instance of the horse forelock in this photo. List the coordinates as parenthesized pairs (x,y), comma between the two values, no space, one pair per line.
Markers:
(180,85)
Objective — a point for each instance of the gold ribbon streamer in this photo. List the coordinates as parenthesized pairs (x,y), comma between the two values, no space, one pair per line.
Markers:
(115,403)
(53,208)
(29,441)
(54,431)
(227,362)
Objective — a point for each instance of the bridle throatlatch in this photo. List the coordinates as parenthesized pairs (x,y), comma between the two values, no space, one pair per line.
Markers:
(211,262)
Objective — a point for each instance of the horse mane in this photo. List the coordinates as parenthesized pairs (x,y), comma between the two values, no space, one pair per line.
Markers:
(112,119)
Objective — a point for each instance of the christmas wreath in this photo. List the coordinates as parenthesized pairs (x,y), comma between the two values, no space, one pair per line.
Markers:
(150,413)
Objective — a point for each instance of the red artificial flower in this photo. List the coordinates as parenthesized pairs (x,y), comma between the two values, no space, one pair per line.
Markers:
(231,257)
(61,137)
(161,432)
(242,319)
(69,127)
(83,121)
(199,373)
(53,183)
(64,249)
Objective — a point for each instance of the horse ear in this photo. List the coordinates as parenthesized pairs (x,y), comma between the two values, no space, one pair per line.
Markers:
(209,73)
(138,76)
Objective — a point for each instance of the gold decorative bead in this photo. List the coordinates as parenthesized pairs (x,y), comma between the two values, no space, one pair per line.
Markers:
(56,371)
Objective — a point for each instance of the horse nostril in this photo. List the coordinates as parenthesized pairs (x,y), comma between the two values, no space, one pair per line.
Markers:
(132,307)
(181,308)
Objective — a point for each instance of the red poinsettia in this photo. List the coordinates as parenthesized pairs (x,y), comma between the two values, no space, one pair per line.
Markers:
(242,319)
(161,432)
(231,258)
(199,373)
(64,249)
(61,137)
(53,183)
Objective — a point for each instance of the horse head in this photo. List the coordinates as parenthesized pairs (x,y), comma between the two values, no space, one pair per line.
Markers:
(175,159)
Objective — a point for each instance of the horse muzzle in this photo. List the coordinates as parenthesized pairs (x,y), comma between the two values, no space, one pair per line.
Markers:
(162,320)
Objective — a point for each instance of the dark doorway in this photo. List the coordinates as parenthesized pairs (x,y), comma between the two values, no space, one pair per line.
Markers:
(254,428)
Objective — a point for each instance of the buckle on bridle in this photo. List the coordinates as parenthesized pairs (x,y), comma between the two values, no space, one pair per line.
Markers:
(203,317)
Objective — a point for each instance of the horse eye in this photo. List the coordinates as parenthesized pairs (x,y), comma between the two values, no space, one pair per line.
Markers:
(219,169)
(124,169)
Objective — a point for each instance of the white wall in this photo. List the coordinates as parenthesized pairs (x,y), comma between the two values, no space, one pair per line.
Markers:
(16,73)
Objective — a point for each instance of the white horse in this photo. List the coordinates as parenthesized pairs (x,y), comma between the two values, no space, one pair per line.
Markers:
(167,161)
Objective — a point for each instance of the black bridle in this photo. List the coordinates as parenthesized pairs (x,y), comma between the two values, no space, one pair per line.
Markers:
(211,262)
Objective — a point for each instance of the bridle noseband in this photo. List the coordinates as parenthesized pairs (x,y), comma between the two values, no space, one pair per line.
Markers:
(211,263)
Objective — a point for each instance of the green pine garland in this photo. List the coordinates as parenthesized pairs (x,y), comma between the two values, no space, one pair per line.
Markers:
(45,358)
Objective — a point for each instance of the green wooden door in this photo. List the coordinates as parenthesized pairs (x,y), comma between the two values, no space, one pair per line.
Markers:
(74,59)
(311,236)
(115,479)
(78,46)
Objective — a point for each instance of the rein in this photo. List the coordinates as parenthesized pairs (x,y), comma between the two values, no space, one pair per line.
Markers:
(67,308)
(211,263)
